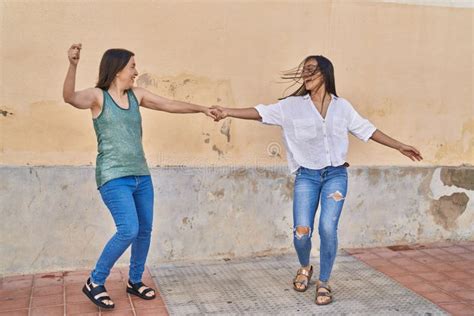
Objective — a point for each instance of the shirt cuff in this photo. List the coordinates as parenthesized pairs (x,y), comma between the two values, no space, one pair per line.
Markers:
(261,111)
(370,131)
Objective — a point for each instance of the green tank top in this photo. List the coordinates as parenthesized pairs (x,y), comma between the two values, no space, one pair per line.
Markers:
(119,140)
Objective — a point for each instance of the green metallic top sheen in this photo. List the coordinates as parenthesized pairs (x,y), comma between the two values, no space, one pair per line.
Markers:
(119,140)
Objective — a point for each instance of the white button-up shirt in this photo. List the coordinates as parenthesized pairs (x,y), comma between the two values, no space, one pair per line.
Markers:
(311,141)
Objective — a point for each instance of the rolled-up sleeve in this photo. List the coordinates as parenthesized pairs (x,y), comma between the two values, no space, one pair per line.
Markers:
(360,127)
(271,114)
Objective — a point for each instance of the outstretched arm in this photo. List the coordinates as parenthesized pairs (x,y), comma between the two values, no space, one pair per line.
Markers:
(84,99)
(155,102)
(407,150)
(242,113)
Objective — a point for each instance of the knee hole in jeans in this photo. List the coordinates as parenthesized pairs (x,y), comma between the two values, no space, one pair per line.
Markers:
(336,196)
(301,231)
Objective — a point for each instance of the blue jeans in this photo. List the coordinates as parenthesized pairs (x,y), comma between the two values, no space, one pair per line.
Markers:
(130,201)
(330,186)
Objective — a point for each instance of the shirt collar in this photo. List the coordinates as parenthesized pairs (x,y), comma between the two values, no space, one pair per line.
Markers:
(306,96)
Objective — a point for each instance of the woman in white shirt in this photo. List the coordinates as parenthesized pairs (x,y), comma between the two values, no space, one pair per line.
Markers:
(315,124)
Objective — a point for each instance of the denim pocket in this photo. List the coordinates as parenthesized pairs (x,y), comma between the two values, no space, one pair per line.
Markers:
(298,172)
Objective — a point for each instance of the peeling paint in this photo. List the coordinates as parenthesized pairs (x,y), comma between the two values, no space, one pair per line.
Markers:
(459,177)
(146,80)
(225,129)
(447,209)
(207,138)
(219,151)
(5,113)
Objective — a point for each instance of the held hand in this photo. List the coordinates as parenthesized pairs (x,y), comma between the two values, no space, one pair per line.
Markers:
(411,152)
(211,113)
(219,112)
(74,53)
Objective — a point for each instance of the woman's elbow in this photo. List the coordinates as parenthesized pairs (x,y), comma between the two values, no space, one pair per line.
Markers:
(67,97)
(70,100)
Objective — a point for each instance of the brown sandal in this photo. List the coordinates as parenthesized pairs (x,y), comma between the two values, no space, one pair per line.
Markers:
(308,274)
(323,294)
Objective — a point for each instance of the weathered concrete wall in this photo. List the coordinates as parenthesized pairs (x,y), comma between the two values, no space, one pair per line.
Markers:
(53,218)
(400,65)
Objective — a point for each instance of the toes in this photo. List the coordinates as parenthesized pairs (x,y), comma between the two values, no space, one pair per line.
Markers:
(323,299)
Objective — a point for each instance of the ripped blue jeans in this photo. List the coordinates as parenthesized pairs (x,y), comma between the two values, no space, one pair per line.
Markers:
(328,185)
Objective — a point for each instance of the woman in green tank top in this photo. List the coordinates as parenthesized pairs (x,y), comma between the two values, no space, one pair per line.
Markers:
(122,174)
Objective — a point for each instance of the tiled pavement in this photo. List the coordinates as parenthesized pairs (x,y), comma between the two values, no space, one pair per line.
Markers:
(441,272)
(60,293)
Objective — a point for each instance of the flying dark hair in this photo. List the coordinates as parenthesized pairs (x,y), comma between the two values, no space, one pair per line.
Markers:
(324,68)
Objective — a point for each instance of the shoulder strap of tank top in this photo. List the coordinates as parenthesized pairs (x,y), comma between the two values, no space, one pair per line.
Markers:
(133,98)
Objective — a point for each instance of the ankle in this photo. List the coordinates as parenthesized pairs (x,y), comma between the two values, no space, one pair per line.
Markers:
(133,283)
(323,283)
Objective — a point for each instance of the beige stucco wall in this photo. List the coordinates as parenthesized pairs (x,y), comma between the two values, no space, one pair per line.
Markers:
(408,68)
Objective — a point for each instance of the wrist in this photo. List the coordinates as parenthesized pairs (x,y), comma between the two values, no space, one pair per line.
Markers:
(399,146)
(227,111)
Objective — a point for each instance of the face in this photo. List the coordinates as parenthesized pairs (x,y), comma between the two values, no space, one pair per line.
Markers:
(128,74)
(311,75)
